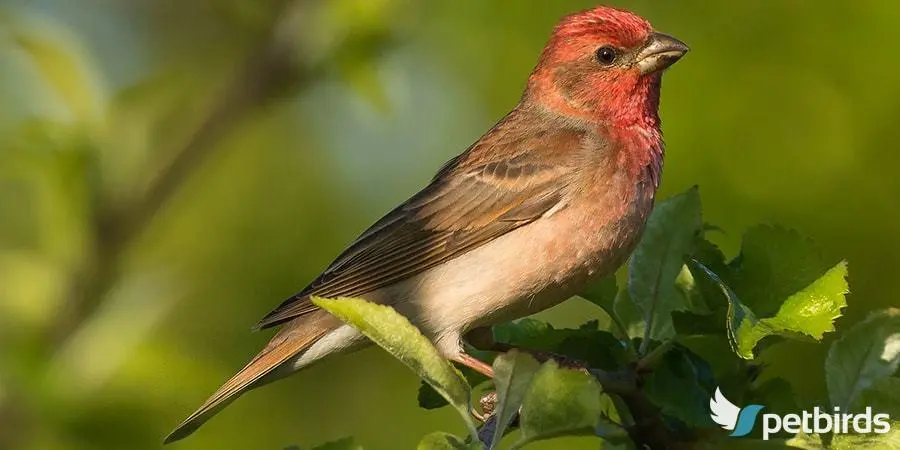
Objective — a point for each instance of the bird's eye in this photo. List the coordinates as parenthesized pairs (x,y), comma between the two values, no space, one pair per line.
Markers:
(606,55)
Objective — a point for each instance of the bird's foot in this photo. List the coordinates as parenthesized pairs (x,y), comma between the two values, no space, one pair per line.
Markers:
(488,403)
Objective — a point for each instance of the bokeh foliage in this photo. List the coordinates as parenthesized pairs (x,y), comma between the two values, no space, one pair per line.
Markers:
(117,319)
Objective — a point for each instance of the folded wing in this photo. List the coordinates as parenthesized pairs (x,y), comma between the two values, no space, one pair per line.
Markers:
(474,199)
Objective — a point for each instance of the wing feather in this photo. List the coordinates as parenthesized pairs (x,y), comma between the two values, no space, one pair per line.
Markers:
(474,199)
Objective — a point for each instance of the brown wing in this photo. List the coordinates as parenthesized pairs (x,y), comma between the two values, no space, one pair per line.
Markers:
(474,199)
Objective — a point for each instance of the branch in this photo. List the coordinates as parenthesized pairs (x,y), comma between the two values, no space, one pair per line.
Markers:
(273,69)
(648,430)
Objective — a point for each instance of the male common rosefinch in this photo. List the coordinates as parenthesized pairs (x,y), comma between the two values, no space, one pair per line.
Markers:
(554,195)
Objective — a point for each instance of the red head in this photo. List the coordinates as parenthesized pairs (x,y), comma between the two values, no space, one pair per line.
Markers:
(604,64)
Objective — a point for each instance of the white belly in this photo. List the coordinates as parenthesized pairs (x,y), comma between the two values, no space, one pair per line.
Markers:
(516,275)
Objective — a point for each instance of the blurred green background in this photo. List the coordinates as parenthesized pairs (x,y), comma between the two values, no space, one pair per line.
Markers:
(170,171)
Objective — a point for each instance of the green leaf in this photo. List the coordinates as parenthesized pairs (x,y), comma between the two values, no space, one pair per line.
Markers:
(731,371)
(708,309)
(341,444)
(559,402)
(681,386)
(630,315)
(513,372)
(587,343)
(874,441)
(612,432)
(774,263)
(813,310)
(868,352)
(601,293)
(730,443)
(843,441)
(529,333)
(777,394)
(428,398)
(739,319)
(361,75)
(883,397)
(806,442)
(444,441)
(808,313)
(62,65)
(393,332)
(709,254)
(691,292)
(671,234)
(692,324)
(604,294)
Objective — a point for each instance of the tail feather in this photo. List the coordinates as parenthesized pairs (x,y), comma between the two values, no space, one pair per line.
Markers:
(290,341)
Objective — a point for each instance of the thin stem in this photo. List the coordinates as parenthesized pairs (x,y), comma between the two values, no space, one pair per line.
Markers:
(649,360)
(620,325)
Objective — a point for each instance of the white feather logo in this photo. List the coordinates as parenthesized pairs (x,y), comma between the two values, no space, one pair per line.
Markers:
(722,411)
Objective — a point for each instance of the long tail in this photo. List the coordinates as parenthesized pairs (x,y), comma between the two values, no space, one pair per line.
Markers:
(290,341)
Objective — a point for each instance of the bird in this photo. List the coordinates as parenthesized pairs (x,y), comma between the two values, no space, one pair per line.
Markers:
(554,195)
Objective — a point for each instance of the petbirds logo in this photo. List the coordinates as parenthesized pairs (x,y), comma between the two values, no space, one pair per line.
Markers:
(730,417)
(740,421)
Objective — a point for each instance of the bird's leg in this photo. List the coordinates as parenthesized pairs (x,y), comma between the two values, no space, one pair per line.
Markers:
(481,339)
(475,364)
(482,368)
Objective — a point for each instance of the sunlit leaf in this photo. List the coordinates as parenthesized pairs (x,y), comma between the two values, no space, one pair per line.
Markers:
(806,442)
(869,441)
(393,332)
(813,310)
(809,312)
(774,263)
(513,372)
(428,398)
(560,402)
(865,354)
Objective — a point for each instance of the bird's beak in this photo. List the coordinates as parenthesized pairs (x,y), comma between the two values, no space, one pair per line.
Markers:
(660,52)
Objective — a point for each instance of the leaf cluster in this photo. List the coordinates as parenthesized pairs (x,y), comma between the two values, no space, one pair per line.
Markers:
(685,321)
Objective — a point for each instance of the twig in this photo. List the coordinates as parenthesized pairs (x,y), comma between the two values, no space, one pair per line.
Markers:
(648,430)
(650,359)
(620,325)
